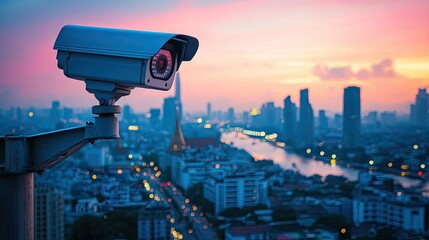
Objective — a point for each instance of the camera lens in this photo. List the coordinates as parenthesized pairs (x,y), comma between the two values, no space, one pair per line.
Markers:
(162,65)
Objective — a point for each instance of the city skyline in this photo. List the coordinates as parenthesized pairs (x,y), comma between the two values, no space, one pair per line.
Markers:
(257,52)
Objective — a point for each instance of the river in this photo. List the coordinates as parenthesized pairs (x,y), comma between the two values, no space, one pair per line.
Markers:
(260,149)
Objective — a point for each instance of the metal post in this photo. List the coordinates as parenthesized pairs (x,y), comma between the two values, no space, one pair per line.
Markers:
(16,206)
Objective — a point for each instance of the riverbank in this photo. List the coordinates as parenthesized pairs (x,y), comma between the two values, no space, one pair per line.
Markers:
(306,166)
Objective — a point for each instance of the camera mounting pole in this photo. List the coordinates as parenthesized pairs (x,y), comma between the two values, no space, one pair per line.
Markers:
(22,156)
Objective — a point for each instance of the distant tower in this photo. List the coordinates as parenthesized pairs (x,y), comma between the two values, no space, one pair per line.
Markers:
(351,117)
(155,113)
(209,111)
(421,108)
(306,127)
(323,120)
(169,113)
(177,143)
(231,115)
(178,96)
(268,115)
(289,117)
(55,113)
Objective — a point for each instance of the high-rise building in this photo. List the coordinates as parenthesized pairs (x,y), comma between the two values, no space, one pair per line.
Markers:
(55,113)
(421,109)
(323,120)
(231,115)
(178,96)
(246,117)
(169,114)
(338,121)
(306,120)
(155,114)
(48,213)
(289,117)
(351,117)
(209,111)
(127,113)
(153,222)
(238,190)
(268,116)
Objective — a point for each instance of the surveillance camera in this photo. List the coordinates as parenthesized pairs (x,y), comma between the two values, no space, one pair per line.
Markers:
(122,58)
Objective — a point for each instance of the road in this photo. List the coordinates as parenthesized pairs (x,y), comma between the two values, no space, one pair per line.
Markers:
(193,223)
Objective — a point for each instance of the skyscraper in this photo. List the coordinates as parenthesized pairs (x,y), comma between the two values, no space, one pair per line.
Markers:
(178,96)
(55,113)
(306,116)
(351,117)
(421,109)
(323,120)
(289,117)
(169,114)
(268,116)
(209,111)
(231,115)
(155,113)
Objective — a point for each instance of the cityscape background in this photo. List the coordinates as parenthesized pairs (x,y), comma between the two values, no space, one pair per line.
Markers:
(293,121)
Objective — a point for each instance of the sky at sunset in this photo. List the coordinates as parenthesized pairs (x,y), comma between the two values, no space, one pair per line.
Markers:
(250,52)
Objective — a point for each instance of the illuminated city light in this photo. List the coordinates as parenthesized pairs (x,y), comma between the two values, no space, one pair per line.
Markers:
(404,167)
(87,172)
(334,156)
(138,169)
(133,128)
(169,200)
(201,214)
(333,162)
(119,171)
(30,114)
(322,153)
(308,151)
(187,200)
(398,194)
(130,156)
(168,216)
(207,125)
(390,164)
(94,176)
(254,112)
(192,214)
(151,164)
(195,208)
(151,195)
(199,120)
(155,168)
(280,144)
(371,162)
(416,146)
(403,174)
(420,173)
(148,115)
(422,166)
(190,231)
(343,231)
(217,166)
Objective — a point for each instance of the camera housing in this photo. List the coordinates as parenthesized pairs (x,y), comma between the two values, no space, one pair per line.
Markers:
(122,59)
